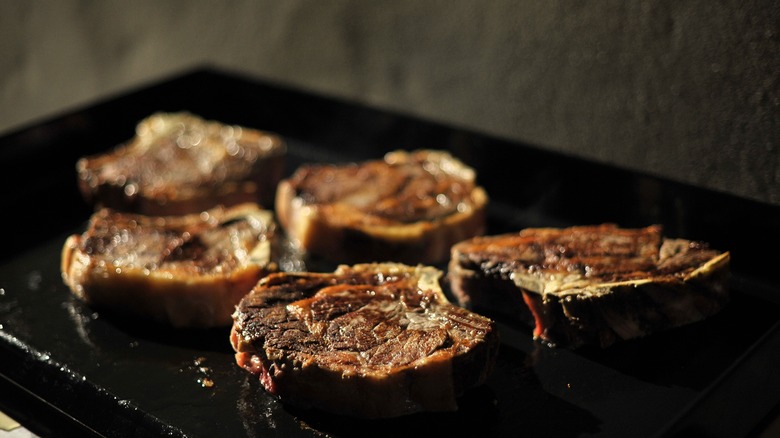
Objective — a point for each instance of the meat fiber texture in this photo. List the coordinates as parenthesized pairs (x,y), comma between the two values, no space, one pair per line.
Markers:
(590,285)
(186,271)
(369,340)
(409,207)
(179,163)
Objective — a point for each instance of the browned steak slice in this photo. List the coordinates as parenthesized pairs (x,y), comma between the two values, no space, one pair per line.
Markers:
(188,271)
(591,284)
(179,163)
(370,340)
(410,207)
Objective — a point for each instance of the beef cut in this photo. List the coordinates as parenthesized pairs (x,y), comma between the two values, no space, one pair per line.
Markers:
(590,285)
(179,163)
(369,340)
(187,271)
(410,207)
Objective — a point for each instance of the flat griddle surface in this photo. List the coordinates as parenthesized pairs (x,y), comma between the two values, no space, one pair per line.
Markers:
(68,368)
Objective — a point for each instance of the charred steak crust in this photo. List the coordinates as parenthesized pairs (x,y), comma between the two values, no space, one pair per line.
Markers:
(410,207)
(179,163)
(188,271)
(370,340)
(591,285)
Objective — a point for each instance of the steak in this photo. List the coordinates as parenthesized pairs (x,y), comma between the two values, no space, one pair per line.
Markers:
(410,207)
(187,271)
(369,340)
(590,285)
(178,163)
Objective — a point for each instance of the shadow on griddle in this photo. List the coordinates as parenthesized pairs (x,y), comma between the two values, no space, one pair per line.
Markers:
(512,400)
(103,329)
(692,356)
(477,414)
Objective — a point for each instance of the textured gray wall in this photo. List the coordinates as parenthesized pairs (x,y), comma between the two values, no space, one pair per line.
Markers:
(688,90)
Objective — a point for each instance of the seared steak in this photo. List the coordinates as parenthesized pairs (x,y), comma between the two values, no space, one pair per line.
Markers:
(371,340)
(409,208)
(590,284)
(179,163)
(189,271)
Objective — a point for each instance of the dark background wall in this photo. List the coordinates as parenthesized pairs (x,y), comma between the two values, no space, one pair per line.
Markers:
(686,90)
